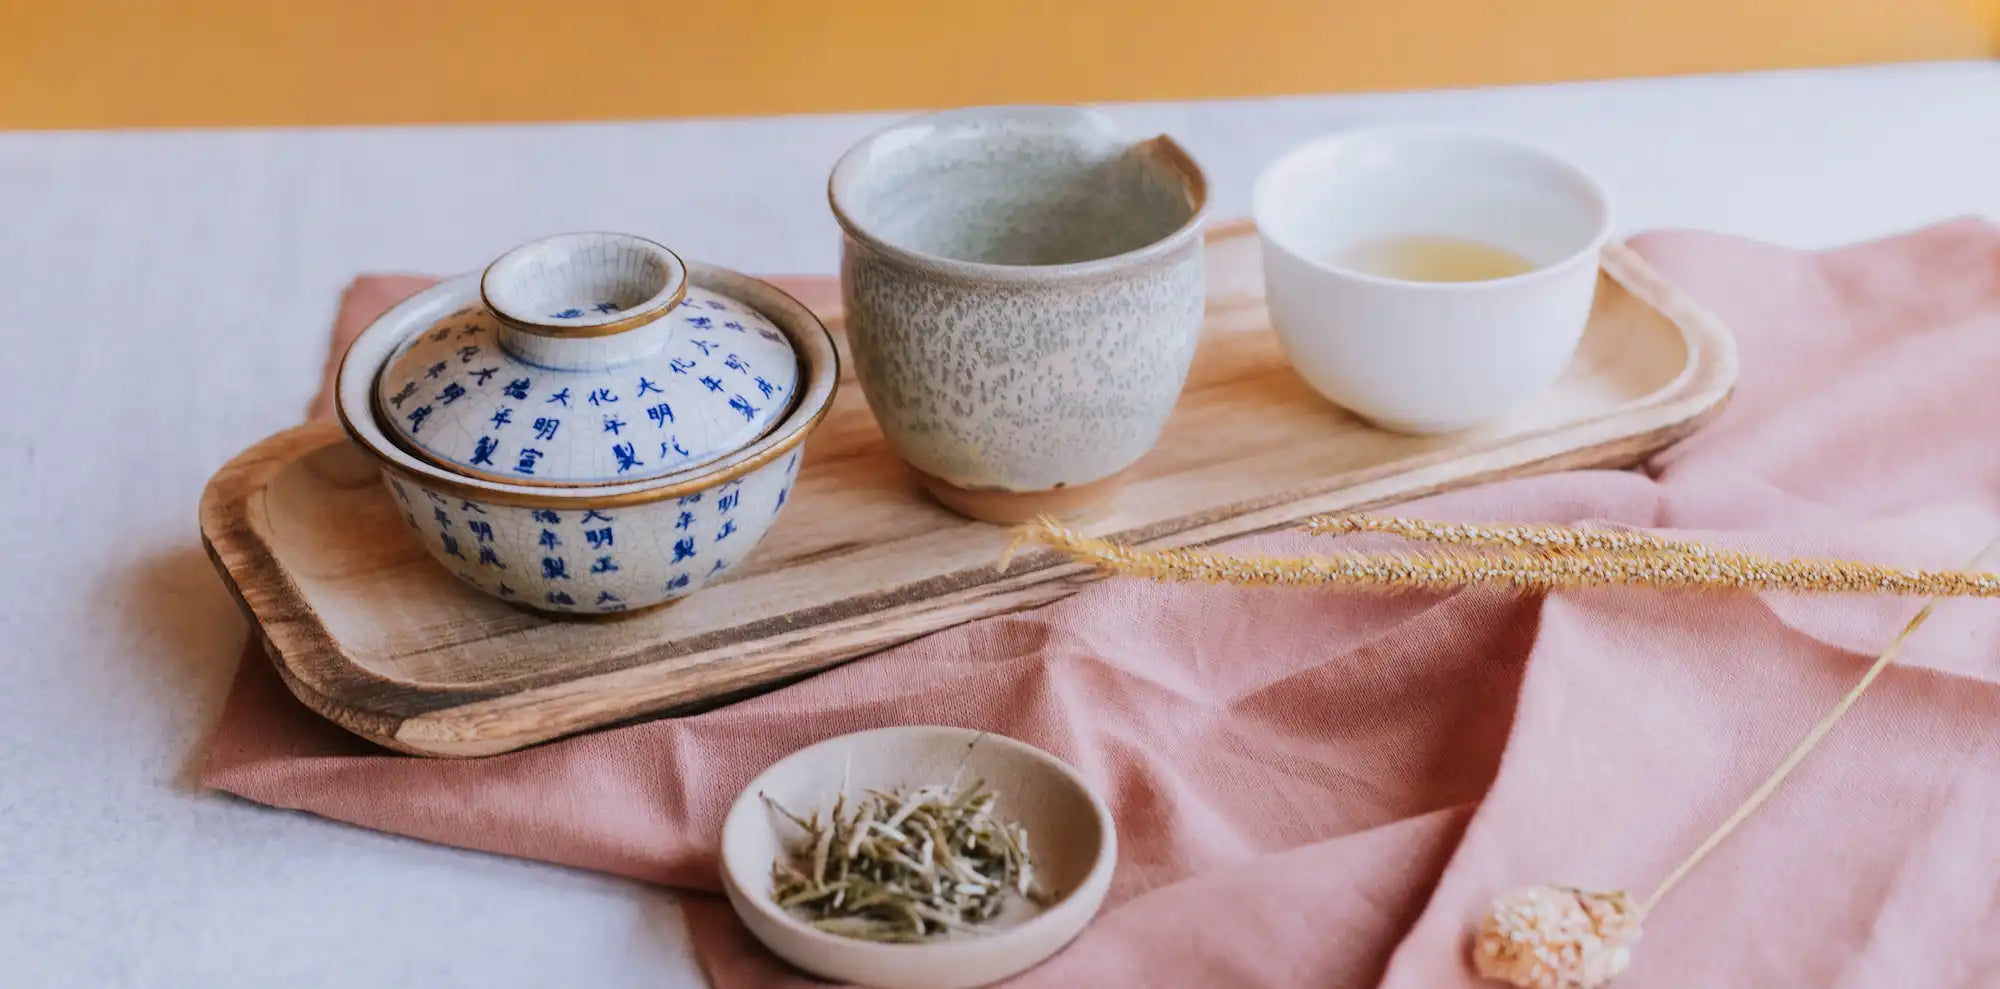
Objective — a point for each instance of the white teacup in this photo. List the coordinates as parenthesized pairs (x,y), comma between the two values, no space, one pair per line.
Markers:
(1428,356)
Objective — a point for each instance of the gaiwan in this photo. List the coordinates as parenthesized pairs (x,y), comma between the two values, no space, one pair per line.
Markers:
(590,425)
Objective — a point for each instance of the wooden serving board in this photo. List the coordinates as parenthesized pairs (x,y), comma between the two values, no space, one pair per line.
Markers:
(372,634)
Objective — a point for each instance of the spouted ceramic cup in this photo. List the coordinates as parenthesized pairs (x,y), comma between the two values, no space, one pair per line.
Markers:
(1429,356)
(1023,291)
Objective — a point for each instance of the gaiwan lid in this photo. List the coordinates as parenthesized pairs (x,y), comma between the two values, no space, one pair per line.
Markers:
(592,361)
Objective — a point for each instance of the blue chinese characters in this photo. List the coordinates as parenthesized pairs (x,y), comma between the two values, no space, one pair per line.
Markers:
(536,438)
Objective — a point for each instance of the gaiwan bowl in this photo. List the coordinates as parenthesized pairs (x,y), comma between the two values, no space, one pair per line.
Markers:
(590,425)
(1072,841)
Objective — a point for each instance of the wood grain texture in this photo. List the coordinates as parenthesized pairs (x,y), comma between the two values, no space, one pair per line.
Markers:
(370,633)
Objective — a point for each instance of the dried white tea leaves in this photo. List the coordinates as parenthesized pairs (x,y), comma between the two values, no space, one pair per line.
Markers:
(906,866)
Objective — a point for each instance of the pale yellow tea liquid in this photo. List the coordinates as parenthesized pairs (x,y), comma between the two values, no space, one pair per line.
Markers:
(1431,259)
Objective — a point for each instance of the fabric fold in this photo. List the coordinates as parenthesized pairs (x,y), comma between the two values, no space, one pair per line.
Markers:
(1323,788)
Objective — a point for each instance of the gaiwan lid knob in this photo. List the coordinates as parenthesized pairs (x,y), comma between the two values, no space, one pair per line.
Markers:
(592,360)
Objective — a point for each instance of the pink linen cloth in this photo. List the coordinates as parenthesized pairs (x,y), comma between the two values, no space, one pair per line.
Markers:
(1318,788)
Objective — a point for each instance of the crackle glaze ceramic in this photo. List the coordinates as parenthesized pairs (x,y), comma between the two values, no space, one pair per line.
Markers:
(1023,292)
(590,425)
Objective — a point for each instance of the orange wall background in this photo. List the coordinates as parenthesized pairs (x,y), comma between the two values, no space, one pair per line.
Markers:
(154,63)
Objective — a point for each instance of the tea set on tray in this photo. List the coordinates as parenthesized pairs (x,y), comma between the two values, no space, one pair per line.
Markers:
(593,425)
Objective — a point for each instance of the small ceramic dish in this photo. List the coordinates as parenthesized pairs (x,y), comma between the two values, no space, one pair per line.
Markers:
(1074,843)
(590,425)
(1023,290)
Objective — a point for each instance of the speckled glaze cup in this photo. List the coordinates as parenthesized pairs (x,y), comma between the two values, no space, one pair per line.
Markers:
(1023,292)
